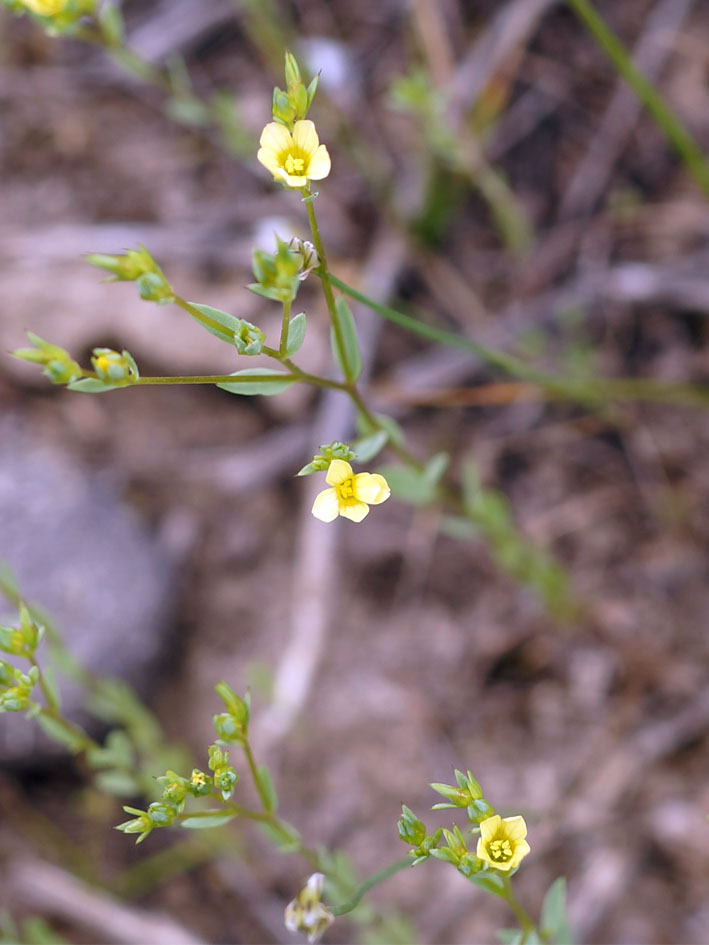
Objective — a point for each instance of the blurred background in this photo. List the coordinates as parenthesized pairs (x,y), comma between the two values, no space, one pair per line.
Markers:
(492,176)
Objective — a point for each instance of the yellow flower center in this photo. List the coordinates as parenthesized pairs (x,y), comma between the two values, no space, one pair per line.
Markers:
(102,363)
(294,165)
(345,489)
(500,850)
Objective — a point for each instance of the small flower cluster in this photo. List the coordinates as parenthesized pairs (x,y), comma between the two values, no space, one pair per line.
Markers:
(110,368)
(16,686)
(501,844)
(289,146)
(176,789)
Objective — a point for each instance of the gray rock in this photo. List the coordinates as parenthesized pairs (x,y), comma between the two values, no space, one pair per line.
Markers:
(85,557)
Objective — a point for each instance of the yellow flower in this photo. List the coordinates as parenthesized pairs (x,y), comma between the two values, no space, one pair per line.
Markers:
(293,158)
(502,842)
(350,495)
(45,7)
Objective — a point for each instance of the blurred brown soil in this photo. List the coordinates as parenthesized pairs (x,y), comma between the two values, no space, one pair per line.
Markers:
(597,731)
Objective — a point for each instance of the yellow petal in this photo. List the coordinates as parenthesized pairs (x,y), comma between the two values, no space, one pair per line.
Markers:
(319,164)
(355,511)
(270,161)
(338,470)
(326,506)
(521,850)
(514,828)
(305,137)
(292,181)
(368,488)
(276,137)
(488,828)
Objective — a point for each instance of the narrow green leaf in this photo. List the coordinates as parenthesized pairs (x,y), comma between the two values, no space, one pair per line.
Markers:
(8,582)
(72,740)
(92,385)
(118,783)
(51,684)
(510,936)
(274,382)
(490,882)
(349,359)
(221,324)
(269,788)
(370,446)
(409,485)
(554,921)
(436,467)
(209,819)
(296,334)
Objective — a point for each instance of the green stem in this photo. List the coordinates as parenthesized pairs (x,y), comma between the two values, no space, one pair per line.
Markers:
(324,274)
(52,711)
(673,129)
(497,359)
(257,779)
(588,392)
(285,325)
(523,917)
(369,884)
(213,379)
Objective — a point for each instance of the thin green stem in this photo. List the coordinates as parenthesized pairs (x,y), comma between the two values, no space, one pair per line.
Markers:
(257,779)
(523,917)
(587,391)
(497,359)
(285,325)
(52,711)
(214,379)
(379,877)
(665,118)
(324,274)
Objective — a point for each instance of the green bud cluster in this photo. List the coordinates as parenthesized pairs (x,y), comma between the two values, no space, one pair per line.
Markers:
(467,793)
(456,852)
(225,777)
(158,814)
(293,104)
(277,274)
(232,726)
(137,265)
(16,687)
(22,640)
(413,831)
(321,461)
(58,364)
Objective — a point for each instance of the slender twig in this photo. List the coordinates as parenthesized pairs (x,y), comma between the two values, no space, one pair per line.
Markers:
(665,118)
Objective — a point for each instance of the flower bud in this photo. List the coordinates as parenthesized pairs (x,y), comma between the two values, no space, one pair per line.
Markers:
(58,365)
(277,274)
(411,829)
(114,368)
(175,788)
(306,913)
(161,814)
